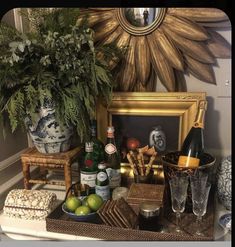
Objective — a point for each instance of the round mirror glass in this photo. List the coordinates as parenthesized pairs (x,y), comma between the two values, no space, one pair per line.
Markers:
(141,17)
(140,21)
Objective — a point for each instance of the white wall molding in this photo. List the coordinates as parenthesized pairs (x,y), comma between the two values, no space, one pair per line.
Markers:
(11,160)
(10,183)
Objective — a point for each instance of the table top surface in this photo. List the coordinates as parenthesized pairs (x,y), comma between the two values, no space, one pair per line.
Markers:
(33,229)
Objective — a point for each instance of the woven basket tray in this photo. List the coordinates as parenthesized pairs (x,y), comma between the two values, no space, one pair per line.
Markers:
(58,222)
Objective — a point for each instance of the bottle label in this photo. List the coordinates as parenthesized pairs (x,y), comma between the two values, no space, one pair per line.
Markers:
(88,178)
(110,148)
(88,163)
(114,177)
(102,176)
(103,191)
(187,161)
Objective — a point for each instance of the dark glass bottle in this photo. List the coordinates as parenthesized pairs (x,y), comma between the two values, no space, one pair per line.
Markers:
(112,159)
(102,182)
(98,146)
(150,217)
(193,145)
(89,169)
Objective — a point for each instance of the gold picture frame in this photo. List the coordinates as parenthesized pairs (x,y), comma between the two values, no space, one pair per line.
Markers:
(181,104)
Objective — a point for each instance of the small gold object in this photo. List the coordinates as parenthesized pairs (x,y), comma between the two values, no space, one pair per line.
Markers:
(150,151)
(149,166)
(136,160)
(141,165)
(143,149)
(132,164)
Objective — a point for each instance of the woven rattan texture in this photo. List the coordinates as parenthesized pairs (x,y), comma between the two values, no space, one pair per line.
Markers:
(63,161)
(58,222)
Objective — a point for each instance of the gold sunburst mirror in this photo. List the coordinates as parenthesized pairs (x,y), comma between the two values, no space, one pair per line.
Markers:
(168,44)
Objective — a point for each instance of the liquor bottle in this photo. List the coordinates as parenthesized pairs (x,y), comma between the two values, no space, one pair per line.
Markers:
(112,159)
(102,182)
(89,169)
(193,145)
(98,146)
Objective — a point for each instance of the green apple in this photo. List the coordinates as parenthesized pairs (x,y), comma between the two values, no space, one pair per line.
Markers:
(82,210)
(94,201)
(72,202)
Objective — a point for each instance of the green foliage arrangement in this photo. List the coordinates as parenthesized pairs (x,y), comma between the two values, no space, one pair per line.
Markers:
(58,61)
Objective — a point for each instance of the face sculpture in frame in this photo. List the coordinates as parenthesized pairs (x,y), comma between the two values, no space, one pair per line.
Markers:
(162,43)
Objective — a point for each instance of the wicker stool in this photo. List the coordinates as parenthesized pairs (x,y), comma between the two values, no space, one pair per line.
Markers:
(31,157)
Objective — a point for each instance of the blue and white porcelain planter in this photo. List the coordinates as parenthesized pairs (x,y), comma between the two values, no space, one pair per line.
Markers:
(224,182)
(46,133)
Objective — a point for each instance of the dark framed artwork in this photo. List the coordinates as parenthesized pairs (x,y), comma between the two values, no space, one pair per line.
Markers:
(162,132)
(135,115)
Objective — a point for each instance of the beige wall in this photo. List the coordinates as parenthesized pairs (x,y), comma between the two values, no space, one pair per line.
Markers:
(218,116)
(13,144)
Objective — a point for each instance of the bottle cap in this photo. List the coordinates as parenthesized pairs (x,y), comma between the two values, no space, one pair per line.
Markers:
(148,209)
(102,165)
(110,129)
(89,147)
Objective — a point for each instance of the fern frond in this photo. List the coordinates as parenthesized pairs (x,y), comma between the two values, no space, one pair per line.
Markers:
(15,107)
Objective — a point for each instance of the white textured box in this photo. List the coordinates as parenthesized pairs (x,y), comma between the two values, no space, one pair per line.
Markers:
(29,204)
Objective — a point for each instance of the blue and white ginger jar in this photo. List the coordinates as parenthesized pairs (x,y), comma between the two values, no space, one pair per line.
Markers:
(224,182)
(47,134)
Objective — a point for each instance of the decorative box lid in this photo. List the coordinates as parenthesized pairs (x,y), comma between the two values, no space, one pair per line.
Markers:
(30,199)
(145,192)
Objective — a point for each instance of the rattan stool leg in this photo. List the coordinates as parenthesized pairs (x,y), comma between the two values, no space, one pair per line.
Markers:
(43,172)
(26,173)
(67,176)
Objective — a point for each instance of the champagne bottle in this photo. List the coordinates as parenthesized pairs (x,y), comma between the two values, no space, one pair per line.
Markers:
(89,170)
(98,146)
(193,145)
(112,159)
(102,182)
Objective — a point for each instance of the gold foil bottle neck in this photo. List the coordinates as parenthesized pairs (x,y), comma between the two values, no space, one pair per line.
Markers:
(203,104)
(199,121)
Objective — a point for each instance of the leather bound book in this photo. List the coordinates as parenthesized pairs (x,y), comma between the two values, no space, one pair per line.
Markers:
(145,192)
(112,214)
(118,213)
(125,213)
(102,215)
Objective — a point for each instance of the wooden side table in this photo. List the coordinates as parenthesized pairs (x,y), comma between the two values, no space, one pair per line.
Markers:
(31,157)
